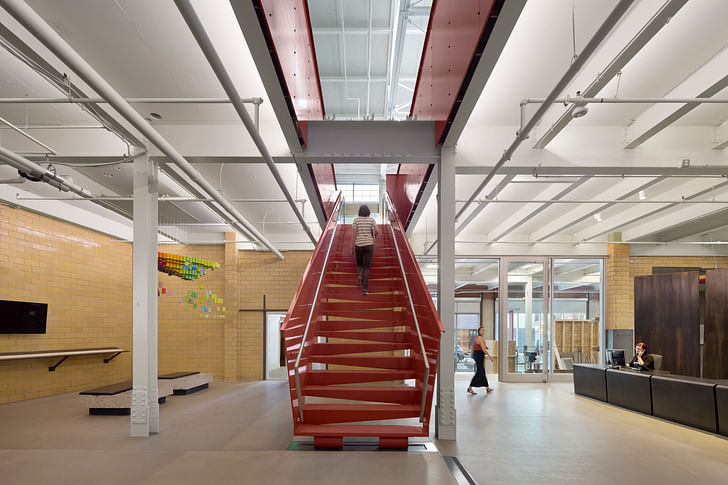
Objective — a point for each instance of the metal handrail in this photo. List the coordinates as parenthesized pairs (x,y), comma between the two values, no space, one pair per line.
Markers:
(388,203)
(313,306)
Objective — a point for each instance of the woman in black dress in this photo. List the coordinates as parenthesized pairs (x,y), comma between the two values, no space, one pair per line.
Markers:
(480,351)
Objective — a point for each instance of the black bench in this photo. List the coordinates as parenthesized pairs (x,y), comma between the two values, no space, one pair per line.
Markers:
(187,382)
(115,399)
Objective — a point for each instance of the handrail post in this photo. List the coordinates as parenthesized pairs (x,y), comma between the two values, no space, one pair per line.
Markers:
(412,307)
(337,207)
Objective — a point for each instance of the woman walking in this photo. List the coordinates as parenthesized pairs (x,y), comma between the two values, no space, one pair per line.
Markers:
(364,231)
(480,350)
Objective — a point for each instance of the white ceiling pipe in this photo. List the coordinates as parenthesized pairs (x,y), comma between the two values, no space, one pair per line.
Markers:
(584,242)
(587,201)
(581,100)
(128,100)
(35,170)
(203,40)
(161,199)
(601,34)
(29,19)
(26,135)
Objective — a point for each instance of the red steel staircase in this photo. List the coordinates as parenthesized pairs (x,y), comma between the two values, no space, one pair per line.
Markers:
(362,365)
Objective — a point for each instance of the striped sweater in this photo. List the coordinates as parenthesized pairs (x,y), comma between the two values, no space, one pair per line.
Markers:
(364,229)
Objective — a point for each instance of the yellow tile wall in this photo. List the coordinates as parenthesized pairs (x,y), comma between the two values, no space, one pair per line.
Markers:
(622,268)
(190,340)
(85,279)
(262,273)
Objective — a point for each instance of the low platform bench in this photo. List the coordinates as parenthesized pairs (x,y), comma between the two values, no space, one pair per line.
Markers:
(116,398)
(65,353)
(187,382)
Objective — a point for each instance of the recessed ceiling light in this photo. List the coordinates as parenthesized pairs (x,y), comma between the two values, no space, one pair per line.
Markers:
(155,116)
(598,217)
(642,195)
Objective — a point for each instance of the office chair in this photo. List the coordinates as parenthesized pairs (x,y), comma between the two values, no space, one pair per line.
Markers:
(658,361)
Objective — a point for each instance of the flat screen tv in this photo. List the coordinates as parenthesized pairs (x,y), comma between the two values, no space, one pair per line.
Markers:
(22,317)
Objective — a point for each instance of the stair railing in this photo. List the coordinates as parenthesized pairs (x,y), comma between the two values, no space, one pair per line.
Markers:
(392,221)
(333,220)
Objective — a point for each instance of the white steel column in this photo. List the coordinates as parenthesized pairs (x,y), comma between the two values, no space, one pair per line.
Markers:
(445,426)
(144,404)
(528,310)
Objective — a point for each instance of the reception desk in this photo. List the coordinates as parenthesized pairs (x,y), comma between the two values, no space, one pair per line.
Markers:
(695,402)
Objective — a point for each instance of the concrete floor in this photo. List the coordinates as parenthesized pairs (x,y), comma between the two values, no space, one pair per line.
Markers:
(239,432)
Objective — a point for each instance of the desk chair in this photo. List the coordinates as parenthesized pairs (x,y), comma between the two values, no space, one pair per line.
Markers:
(658,361)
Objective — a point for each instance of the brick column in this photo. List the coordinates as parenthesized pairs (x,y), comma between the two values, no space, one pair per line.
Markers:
(232,304)
(620,314)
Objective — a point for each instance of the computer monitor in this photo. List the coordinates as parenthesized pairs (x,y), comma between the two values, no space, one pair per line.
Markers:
(615,357)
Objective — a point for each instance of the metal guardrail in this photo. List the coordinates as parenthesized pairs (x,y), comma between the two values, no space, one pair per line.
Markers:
(335,211)
(388,203)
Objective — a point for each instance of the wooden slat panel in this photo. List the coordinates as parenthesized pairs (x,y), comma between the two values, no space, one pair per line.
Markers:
(715,349)
(667,319)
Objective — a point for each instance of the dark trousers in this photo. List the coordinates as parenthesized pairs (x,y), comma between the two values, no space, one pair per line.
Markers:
(364,255)
(479,379)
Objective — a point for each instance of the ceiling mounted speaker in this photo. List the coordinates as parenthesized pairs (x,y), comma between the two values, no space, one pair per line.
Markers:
(579,111)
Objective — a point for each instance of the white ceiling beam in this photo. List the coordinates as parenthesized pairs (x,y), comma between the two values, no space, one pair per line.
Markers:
(510,227)
(652,27)
(583,213)
(622,221)
(706,82)
(672,220)
(492,195)
(199,32)
(721,136)
(28,53)
(612,171)
(41,30)
(521,135)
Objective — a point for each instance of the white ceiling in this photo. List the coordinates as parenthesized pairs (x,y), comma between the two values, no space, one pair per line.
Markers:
(144,49)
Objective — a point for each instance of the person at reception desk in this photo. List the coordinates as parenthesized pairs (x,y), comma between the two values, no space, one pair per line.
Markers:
(642,359)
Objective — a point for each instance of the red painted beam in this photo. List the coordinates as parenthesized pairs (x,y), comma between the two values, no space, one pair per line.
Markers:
(406,187)
(456,35)
(287,26)
(324,179)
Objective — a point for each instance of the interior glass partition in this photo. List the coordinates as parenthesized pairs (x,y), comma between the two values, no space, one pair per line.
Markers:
(523,310)
(476,300)
(577,307)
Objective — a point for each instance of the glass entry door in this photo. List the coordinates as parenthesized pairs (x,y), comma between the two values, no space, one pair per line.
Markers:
(522,355)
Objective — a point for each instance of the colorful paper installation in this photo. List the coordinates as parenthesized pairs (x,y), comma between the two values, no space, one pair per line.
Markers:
(185,267)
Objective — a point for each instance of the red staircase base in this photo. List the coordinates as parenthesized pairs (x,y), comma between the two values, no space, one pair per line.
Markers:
(328,441)
(393,443)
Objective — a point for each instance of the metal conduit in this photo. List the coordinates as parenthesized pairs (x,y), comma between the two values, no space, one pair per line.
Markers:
(203,40)
(579,100)
(73,100)
(35,170)
(35,24)
(568,76)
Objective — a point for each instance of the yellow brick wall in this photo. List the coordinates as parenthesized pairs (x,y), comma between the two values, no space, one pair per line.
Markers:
(262,273)
(621,270)
(85,279)
(190,340)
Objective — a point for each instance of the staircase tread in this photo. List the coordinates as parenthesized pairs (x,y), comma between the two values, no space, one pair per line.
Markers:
(365,407)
